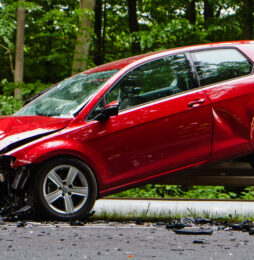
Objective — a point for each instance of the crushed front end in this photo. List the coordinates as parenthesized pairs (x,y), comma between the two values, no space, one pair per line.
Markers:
(13,184)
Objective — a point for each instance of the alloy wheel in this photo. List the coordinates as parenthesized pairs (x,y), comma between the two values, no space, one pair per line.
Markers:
(65,189)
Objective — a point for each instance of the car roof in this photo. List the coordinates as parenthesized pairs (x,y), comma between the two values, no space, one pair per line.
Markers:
(119,64)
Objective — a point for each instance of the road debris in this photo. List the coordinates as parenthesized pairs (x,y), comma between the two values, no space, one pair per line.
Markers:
(23,210)
(251,232)
(193,231)
(187,222)
(175,226)
(21,224)
(244,226)
(77,223)
(180,223)
(200,242)
(191,226)
(203,221)
(177,249)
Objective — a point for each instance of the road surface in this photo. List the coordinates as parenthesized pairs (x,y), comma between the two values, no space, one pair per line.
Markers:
(118,241)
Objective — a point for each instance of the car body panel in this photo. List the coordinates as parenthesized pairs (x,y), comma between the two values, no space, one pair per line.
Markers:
(247,49)
(153,139)
(14,129)
(232,120)
(136,134)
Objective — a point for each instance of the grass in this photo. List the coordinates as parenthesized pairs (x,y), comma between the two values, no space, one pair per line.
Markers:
(167,216)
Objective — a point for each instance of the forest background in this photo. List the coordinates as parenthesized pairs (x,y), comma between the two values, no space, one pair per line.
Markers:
(44,41)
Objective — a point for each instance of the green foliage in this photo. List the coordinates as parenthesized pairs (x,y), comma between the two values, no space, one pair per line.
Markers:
(147,191)
(248,193)
(28,89)
(52,27)
(7,25)
(178,32)
(178,191)
(50,41)
(208,192)
(9,105)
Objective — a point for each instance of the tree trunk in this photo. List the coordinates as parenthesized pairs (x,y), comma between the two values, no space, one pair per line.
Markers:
(247,19)
(19,59)
(98,52)
(83,39)
(104,29)
(191,11)
(208,10)
(133,24)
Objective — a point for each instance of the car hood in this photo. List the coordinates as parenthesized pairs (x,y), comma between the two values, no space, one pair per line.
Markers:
(14,129)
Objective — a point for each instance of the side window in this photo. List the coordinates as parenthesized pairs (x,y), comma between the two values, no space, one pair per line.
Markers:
(221,64)
(154,80)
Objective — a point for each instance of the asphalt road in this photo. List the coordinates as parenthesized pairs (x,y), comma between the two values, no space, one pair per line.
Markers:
(118,241)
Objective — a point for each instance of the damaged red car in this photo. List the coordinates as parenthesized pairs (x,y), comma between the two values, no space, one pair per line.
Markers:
(126,123)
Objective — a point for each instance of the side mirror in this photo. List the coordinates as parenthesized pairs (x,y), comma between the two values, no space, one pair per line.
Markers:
(107,111)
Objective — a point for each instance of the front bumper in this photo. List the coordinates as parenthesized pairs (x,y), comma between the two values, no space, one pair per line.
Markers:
(13,185)
(15,176)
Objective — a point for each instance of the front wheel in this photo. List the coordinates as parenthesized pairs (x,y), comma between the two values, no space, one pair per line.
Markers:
(65,188)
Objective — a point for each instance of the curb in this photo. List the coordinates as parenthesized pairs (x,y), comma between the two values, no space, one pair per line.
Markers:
(172,207)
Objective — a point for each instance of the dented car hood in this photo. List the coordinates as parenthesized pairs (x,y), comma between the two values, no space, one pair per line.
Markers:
(17,128)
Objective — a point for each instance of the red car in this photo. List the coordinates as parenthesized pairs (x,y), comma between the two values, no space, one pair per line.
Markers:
(128,122)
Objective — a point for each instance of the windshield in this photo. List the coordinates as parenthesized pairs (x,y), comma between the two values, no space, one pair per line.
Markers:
(67,97)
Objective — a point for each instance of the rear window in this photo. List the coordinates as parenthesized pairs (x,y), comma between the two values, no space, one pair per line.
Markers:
(213,66)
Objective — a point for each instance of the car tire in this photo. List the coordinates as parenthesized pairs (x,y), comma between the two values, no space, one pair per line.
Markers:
(65,188)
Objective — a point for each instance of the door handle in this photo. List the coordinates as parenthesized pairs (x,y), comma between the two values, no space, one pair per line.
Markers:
(196,102)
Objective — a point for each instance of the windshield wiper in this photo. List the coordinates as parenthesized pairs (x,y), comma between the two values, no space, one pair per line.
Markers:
(39,113)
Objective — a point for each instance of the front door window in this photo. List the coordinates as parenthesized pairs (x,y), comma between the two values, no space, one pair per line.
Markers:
(150,82)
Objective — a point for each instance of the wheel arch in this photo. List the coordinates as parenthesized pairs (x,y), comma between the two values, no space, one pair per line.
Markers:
(38,152)
(37,189)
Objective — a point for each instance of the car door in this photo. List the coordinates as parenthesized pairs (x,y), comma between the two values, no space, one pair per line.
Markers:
(164,123)
(225,75)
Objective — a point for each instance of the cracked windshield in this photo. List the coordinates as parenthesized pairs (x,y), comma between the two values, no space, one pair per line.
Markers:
(67,97)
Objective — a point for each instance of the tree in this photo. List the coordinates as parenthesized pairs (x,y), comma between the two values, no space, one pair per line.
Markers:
(191,11)
(7,29)
(208,9)
(248,19)
(19,58)
(133,24)
(121,28)
(51,30)
(100,31)
(84,37)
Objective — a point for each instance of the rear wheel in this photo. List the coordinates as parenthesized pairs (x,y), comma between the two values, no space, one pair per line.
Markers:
(65,188)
